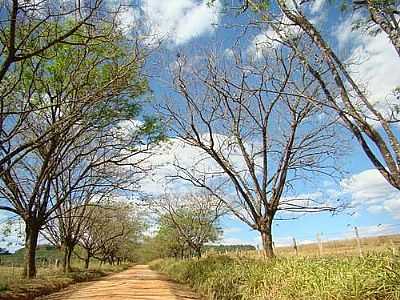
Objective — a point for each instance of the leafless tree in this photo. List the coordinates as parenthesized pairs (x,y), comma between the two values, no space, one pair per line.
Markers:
(258,136)
(373,127)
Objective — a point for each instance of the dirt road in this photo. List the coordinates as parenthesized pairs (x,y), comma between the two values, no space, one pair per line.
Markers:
(138,282)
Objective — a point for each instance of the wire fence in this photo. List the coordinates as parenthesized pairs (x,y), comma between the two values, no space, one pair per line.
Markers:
(354,241)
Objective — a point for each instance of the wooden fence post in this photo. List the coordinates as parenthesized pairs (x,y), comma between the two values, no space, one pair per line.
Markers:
(394,250)
(358,241)
(295,246)
(320,247)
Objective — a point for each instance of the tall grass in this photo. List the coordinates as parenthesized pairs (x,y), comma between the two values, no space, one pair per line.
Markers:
(48,280)
(376,276)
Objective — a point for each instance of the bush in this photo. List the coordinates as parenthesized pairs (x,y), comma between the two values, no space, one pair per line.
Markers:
(224,278)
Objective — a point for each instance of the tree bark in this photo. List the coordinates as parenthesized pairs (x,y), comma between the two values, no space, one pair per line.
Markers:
(64,266)
(198,253)
(87,261)
(69,255)
(266,237)
(31,239)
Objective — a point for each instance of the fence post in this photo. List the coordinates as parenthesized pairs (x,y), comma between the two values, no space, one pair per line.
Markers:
(358,241)
(295,246)
(394,250)
(320,247)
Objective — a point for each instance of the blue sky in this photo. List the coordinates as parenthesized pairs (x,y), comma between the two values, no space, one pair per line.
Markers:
(188,25)
(376,205)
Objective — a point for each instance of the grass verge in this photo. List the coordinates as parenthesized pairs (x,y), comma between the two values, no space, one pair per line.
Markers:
(50,281)
(376,276)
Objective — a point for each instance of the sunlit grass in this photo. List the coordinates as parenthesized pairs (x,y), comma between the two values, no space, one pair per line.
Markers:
(48,279)
(375,276)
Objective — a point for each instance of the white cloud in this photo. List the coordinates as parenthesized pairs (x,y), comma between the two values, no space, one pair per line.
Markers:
(316,6)
(231,230)
(262,43)
(375,61)
(127,18)
(179,21)
(163,163)
(192,159)
(374,230)
(370,190)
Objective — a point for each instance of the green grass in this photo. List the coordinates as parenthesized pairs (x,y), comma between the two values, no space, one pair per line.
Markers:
(376,276)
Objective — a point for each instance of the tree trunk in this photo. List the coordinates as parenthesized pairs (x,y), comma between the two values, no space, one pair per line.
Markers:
(87,261)
(69,255)
(65,258)
(266,237)
(198,253)
(31,239)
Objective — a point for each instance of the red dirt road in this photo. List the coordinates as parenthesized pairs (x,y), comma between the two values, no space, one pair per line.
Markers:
(136,283)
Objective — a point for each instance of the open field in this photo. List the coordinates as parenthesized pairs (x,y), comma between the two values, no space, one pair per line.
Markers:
(376,276)
(346,247)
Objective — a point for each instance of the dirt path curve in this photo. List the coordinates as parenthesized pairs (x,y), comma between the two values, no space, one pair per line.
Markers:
(138,282)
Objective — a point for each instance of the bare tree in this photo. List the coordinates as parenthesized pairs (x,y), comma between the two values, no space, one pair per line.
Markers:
(343,93)
(258,136)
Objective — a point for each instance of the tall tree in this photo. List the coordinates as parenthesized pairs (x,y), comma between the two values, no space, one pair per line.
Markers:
(343,93)
(79,114)
(257,136)
(28,30)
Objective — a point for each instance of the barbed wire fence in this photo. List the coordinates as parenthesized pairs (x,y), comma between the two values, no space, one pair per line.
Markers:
(357,240)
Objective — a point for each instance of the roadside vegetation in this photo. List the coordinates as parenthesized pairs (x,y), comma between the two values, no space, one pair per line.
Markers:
(81,140)
(222,277)
(13,286)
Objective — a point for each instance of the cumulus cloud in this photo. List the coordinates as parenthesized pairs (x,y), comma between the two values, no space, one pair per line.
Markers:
(263,42)
(192,159)
(178,21)
(375,61)
(316,6)
(370,190)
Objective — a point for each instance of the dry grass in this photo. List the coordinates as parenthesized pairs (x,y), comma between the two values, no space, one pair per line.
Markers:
(348,247)
(373,277)
(14,287)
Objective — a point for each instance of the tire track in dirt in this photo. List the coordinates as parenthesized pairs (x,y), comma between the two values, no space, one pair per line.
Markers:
(136,283)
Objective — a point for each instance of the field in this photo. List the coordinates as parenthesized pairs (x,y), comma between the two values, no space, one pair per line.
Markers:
(338,272)
(375,276)
(345,247)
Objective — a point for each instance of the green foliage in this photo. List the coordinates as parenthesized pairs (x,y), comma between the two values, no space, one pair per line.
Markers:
(187,229)
(220,277)
(45,254)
